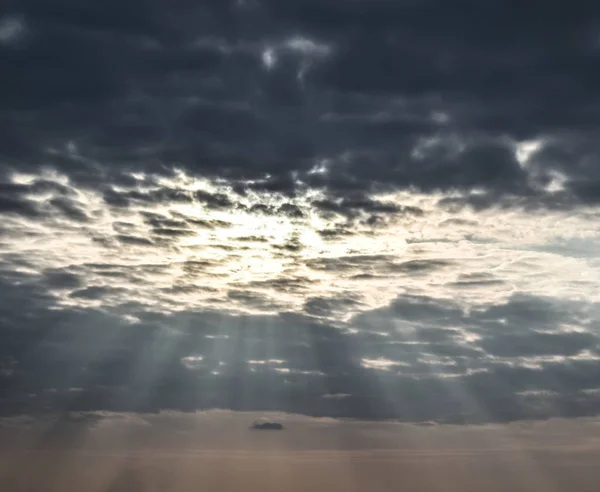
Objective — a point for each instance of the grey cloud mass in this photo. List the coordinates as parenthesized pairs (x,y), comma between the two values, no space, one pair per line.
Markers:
(384,92)
(365,208)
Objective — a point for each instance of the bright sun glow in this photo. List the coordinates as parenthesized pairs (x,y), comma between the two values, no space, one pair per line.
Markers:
(250,258)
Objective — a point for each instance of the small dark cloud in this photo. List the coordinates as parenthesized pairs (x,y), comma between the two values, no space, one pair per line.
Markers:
(41,199)
(252,239)
(293,244)
(134,240)
(253,299)
(69,209)
(285,284)
(349,262)
(335,233)
(170,232)
(215,201)
(538,344)
(366,276)
(476,283)
(352,207)
(418,266)
(193,267)
(61,279)
(290,210)
(160,195)
(207,223)
(95,292)
(323,306)
(19,206)
(262,208)
(227,247)
(266,425)
(158,220)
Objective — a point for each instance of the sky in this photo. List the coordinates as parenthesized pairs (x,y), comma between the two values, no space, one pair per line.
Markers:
(338,208)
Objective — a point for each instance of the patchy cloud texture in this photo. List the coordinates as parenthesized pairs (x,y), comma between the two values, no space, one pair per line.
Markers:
(368,209)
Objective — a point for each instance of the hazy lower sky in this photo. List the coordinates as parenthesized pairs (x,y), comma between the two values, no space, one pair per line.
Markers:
(345,208)
(215,450)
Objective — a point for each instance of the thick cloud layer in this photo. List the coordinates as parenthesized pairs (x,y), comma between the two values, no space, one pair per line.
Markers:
(367,208)
(384,93)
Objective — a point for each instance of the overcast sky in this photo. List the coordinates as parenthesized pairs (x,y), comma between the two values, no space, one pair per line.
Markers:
(359,208)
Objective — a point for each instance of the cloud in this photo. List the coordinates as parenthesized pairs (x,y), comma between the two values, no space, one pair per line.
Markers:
(266,425)
(251,299)
(350,207)
(347,262)
(532,344)
(424,348)
(62,279)
(420,266)
(17,206)
(134,240)
(94,292)
(320,183)
(318,306)
(166,89)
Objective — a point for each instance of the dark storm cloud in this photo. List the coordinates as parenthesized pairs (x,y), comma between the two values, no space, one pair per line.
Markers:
(386,93)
